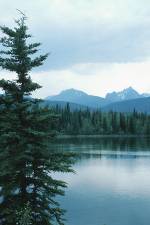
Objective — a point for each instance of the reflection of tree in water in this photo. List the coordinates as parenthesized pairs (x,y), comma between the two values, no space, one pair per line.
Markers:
(114,147)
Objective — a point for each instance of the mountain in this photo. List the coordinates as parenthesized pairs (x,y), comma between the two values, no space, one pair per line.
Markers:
(140,105)
(123,101)
(79,97)
(145,95)
(126,94)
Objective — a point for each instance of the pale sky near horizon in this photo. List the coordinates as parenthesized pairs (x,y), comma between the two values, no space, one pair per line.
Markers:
(97,46)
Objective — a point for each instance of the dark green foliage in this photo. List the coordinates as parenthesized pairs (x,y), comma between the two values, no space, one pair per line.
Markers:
(24,215)
(26,163)
(97,122)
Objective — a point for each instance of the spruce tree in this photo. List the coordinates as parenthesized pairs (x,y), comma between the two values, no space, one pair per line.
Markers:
(26,163)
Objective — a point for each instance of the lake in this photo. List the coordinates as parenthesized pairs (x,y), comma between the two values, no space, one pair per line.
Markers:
(112,181)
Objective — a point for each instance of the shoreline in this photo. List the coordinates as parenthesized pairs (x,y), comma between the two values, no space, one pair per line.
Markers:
(64,136)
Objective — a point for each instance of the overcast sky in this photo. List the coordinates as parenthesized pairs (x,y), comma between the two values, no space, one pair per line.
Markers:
(96,45)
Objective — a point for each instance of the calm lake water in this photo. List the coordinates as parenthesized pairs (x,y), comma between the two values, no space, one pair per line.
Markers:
(112,181)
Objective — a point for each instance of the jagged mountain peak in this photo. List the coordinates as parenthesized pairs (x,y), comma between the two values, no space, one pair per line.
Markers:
(126,94)
(130,90)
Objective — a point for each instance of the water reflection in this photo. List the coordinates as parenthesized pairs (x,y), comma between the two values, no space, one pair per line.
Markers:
(112,181)
(109,147)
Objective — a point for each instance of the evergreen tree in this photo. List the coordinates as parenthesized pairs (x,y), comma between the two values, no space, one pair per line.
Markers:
(122,123)
(24,216)
(25,129)
(132,127)
(97,122)
(105,125)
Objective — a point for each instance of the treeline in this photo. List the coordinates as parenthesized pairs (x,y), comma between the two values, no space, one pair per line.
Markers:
(87,122)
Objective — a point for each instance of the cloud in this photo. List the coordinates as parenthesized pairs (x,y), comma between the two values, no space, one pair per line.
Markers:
(86,31)
(96,79)
(97,46)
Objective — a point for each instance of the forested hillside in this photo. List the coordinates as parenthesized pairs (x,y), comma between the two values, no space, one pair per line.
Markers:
(97,122)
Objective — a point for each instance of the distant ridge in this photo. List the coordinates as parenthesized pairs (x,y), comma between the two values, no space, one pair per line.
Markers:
(141,105)
(63,104)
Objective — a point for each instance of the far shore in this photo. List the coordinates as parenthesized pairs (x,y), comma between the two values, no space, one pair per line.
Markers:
(63,136)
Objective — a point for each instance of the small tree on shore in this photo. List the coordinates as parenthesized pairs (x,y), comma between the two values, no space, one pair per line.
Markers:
(25,130)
